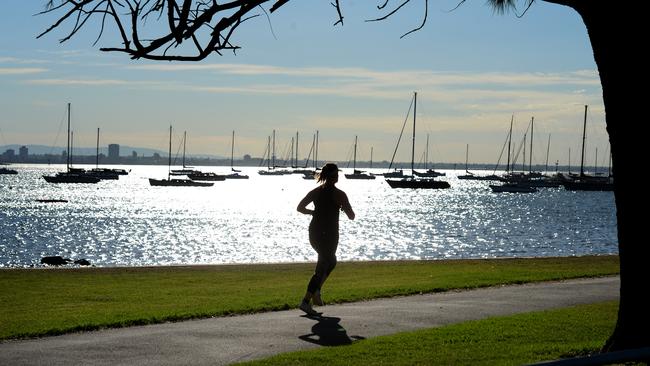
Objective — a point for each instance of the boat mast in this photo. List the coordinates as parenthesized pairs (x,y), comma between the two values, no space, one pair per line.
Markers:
(548,147)
(509,141)
(426,155)
(184,137)
(97,152)
(273,155)
(354,161)
(371,148)
(530,164)
(316,152)
(296,149)
(415,111)
(67,160)
(268,148)
(466,157)
(293,166)
(232,150)
(169,157)
(609,167)
(584,132)
(523,161)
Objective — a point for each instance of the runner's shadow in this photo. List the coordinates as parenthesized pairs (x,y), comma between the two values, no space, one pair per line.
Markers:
(328,332)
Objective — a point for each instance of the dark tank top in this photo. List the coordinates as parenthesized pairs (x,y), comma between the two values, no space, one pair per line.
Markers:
(326,210)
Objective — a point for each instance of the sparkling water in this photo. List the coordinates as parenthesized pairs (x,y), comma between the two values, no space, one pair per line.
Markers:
(130,223)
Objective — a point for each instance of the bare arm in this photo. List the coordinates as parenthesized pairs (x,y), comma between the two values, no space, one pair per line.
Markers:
(302,206)
(346,207)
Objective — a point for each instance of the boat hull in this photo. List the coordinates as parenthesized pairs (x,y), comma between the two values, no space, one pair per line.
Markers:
(236,176)
(359,176)
(8,171)
(206,177)
(418,183)
(178,183)
(512,188)
(71,178)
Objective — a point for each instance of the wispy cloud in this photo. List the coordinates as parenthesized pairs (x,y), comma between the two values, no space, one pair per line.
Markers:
(402,77)
(83,82)
(20,70)
(22,61)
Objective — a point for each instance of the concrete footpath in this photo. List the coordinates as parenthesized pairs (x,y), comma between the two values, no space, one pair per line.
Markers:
(222,341)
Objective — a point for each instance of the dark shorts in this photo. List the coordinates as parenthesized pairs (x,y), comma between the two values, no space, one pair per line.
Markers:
(323,241)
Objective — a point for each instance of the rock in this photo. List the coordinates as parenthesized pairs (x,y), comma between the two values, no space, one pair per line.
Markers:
(55,260)
(82,262)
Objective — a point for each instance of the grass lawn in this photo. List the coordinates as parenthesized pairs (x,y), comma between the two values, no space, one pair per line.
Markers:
(513,340)
(36,302)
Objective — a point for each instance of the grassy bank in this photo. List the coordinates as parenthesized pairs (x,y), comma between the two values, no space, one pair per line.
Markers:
(36,302)
(513,340)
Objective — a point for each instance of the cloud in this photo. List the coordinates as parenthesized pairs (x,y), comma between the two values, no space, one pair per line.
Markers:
(21,61)
(400,77)
(21,70)
(83,82)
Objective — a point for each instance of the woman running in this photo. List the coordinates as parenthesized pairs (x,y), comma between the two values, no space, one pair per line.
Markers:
(323,230)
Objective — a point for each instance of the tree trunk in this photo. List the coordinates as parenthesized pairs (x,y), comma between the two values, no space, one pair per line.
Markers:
(616,39)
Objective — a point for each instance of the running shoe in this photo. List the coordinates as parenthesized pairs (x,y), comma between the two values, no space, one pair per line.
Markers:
(304,306)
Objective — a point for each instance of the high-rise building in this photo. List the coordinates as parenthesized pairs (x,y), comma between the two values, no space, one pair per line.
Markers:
(113,152)
(22,153)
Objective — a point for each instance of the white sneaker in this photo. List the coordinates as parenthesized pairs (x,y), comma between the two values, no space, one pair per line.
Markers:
(317,299)
(304,306)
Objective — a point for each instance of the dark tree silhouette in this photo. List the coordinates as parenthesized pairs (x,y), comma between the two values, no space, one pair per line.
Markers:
(197,28)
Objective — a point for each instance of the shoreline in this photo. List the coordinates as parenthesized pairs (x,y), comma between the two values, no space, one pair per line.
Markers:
(297,263)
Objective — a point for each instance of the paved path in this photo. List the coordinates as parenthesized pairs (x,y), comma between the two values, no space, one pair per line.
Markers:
(222,341)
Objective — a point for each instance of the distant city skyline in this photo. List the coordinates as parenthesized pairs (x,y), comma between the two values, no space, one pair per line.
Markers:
(473,70)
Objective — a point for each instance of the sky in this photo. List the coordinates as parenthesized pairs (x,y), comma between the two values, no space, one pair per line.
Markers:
(473,69)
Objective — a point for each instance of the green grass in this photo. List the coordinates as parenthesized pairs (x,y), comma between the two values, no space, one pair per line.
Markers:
(36,302)
(512,340)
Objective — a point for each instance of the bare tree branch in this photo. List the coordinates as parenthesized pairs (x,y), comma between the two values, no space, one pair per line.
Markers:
(424,20)
(391,13)
(208,26)
(337,5)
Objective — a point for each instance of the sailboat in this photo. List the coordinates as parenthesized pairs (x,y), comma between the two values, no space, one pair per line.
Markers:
(70,175)
(411,181)
(357,174)
(235,173)
(468,174)
(308,173)
(186,169)
(429,172)
(176,182)
(511,185)
(585,182)
(104,173)
(271,161)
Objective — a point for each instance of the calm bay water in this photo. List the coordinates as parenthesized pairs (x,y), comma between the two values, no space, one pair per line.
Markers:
(129,223)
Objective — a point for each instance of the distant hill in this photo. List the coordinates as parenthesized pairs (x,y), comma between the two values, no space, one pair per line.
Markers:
(79,151)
